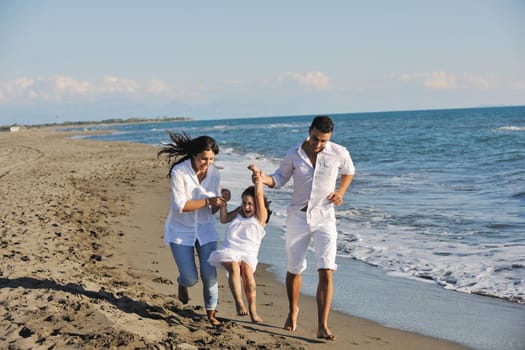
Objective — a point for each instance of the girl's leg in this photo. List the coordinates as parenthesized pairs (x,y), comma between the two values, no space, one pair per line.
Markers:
(250,290)
(234,280)
(185,260)
(209,280)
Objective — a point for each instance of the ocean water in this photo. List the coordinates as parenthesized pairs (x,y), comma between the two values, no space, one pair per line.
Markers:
(438,195)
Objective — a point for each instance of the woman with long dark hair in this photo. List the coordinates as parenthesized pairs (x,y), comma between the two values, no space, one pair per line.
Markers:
(195,197)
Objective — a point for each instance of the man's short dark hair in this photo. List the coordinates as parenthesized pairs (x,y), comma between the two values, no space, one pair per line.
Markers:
(323,123)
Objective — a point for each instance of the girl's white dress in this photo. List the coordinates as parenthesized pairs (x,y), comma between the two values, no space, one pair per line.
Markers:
(241,243)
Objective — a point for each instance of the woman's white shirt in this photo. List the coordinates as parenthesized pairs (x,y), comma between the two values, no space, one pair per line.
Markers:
(187,227)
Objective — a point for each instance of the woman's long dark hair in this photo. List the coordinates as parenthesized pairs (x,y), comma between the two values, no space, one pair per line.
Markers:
(183,147)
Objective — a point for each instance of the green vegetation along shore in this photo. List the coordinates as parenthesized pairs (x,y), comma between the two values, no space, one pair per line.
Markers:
(105,121)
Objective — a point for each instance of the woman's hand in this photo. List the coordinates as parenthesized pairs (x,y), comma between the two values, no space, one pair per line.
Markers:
(216,201)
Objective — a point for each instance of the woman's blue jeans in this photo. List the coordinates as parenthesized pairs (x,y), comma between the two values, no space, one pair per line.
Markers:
(185,259)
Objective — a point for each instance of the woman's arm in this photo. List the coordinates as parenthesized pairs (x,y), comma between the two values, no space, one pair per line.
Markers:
(195,204)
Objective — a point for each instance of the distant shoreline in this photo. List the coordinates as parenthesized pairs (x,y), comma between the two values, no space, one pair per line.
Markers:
(113,121)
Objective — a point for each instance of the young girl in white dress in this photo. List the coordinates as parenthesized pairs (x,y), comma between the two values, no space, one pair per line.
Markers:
(241,245)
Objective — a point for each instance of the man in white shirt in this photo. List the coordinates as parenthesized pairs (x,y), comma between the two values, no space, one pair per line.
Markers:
(314,165)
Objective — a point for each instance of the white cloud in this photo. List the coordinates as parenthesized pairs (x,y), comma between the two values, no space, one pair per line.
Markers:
(156,86)
(66,88)
(434,80)
(233,82)
(309,80)
(441,80)
(477,81)
(112,84)
(518,85)
(60,87)
(18,86)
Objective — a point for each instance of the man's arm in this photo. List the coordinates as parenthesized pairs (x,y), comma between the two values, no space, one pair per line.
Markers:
(337,196)
(267,180)
(280,176)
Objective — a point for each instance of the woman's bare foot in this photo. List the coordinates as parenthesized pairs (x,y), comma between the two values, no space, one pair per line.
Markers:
(291,320)
(183,294)
(325,333)
(211,317)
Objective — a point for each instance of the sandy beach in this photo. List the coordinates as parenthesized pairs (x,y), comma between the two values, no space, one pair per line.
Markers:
(83,264)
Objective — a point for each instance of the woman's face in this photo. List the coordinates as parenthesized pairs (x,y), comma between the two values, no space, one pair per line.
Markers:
(248,206)
(202,161)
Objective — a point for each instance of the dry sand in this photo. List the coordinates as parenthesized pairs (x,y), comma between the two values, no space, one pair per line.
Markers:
(83,265)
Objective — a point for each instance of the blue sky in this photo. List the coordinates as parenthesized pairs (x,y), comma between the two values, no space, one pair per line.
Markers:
(93,60)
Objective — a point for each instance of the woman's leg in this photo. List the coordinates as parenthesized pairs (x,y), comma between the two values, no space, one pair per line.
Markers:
(209,280)
(234,280)
(250,290)
(185,260)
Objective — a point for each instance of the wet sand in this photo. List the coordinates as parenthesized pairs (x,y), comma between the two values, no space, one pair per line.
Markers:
(83,264)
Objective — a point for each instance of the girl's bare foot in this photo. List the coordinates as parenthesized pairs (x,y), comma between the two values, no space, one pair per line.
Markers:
(211,318)
(255,318)
(291,320)
(241,310)
(325,333)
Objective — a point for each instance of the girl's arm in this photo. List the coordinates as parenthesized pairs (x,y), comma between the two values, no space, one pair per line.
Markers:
(229,216)
(226,216)
(261,212)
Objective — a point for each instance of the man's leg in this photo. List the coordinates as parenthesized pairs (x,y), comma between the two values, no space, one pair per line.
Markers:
(325,245)
(325,292)
(297,240)
(293,288)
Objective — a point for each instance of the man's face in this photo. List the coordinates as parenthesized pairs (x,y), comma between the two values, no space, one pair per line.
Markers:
(318,139)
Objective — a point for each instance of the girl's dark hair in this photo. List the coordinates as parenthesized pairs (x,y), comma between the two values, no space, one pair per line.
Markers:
(184,147)
(250,191)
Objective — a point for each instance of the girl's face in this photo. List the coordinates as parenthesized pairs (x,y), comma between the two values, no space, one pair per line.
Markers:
(202,161)
(248,206)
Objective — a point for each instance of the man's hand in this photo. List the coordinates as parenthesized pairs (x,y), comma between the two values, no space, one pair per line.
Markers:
(335,198)
(257,173)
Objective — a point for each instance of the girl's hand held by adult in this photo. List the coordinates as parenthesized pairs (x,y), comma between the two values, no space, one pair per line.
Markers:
(216,201)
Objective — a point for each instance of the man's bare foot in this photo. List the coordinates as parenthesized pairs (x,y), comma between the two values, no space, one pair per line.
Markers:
(183,294)
(291,320)
(325,333)
(211,317)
